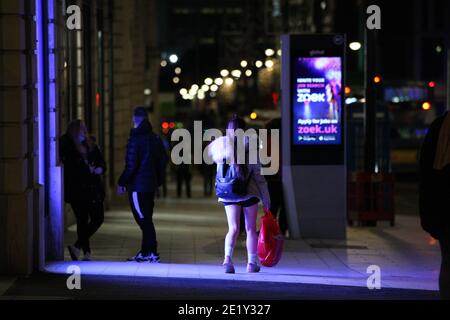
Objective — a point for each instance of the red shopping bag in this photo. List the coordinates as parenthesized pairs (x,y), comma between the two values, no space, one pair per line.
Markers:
(270,241)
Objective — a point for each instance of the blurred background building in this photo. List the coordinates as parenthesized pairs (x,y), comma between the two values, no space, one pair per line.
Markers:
(185,61)
(98,74)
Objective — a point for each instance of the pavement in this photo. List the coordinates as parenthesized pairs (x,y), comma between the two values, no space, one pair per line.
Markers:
(6,283)
(190,236)
(53,287)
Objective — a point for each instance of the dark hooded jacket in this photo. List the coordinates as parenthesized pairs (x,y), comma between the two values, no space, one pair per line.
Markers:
(79,183)
(434,186)
(145,160)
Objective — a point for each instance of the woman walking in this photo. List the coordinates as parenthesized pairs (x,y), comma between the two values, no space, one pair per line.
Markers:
(239,187)
(84,166)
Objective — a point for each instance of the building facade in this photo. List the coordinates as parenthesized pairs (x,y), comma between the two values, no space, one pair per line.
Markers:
(49,76)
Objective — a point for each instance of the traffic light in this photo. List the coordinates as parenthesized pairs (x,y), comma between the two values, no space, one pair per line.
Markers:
(275,98)
(431,89)
(377,79)
(348,90)
(426,105)
(97,100)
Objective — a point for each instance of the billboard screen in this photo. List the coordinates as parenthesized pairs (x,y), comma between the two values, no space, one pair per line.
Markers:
(317,101)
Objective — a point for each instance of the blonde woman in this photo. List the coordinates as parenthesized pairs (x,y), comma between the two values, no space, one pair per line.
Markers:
(253,189)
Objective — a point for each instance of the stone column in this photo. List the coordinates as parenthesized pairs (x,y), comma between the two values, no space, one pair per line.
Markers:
(19,195)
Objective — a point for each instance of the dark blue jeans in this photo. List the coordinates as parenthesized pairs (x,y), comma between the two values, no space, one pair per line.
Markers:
(89,215)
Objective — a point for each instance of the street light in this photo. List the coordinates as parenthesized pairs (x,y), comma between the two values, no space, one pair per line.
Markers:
(355,46)
(229,81)
(269,52)
(193,90)
(214,88)
(258,64)
(176,80)
(236,73)
(248,73)
(183,91)
(173,58)
(205,87)
(177,70)
(244,63)
(224,73)
(163,63)
(269,64)
(208,81)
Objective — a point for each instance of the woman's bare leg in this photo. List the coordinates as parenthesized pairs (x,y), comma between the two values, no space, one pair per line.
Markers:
(250,227)
(233,214)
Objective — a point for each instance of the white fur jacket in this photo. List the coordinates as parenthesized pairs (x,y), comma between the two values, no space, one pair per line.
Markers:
(221,150)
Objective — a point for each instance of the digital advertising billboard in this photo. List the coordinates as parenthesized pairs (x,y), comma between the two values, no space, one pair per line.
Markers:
(317,101)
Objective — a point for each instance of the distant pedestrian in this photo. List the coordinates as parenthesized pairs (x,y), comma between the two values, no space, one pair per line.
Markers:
(184,177)
(166,145)
(434,193)
(208,173)
(145,162)
(84,167)
(238,186)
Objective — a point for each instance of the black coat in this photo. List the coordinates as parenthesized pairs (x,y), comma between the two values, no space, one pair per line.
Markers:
(434,186)
(145,160)
(79,183)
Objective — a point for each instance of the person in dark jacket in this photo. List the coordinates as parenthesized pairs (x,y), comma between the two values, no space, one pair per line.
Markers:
(145,162)
(434,192)
(84,166)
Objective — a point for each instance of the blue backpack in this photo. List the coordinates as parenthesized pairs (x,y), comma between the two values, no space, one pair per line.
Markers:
(229,184)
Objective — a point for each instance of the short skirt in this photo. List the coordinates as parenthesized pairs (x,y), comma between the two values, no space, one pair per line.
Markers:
(247,203)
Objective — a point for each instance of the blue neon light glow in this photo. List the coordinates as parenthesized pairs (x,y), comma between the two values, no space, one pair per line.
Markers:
(40,91)
(52,82)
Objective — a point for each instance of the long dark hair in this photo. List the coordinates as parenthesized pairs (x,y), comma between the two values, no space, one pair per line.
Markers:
(73,131)
(234,124)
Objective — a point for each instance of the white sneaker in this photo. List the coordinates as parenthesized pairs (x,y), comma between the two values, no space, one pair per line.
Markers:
(136,258)
(154,258)
(87,256)
(74,252)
